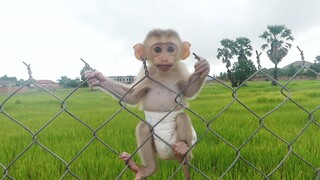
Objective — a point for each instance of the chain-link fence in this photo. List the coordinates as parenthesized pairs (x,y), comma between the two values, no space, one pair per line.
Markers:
(239,150)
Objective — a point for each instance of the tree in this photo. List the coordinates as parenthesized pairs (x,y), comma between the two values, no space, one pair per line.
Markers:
(226,53)
(7,78)
(278,39)
(243,48)
(243,68)
(20,82)
(291,70)
(315,67)
(74,83)
(66,82)
(63,81)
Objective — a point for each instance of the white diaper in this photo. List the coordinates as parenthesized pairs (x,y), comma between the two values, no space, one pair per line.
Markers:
(166,130)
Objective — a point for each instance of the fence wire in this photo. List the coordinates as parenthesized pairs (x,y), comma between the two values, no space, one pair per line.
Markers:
(209,123)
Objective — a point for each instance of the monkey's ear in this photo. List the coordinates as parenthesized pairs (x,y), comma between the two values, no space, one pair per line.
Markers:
(138,51)
(185,50)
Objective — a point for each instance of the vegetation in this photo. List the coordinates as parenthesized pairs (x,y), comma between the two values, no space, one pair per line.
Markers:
(243,68)
(315,67)
(7,78)
(66,82)
(82,146)
(278,39)
(12,79)
(278,42)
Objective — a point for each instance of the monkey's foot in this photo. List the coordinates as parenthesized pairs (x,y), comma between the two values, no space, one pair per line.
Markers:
(180,149)
(132,165)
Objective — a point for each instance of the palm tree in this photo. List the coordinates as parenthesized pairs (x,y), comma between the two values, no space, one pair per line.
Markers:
(243,48)
(226,53)
(278,39)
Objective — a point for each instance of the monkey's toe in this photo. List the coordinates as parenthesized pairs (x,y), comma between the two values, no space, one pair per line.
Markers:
(132,165)
(180,149)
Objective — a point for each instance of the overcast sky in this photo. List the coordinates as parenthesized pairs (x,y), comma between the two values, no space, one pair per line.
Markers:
(53,35)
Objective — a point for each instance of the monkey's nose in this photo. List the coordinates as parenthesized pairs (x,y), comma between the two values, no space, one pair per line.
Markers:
(164,58)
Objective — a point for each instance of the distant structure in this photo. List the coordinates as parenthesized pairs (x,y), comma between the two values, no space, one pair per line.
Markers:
(7,83)
(7,86)
(48,84)
(298,64)
(123,79)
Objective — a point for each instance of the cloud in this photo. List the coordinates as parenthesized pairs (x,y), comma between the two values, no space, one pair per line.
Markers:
(53,35)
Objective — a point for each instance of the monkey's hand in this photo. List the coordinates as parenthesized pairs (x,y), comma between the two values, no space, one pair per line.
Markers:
(95,78)
(201,67)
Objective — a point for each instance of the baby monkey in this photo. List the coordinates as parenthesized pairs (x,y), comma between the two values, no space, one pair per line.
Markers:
(173,134)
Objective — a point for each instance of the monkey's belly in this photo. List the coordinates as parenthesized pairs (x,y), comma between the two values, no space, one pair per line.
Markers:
(161,104)
(165,133)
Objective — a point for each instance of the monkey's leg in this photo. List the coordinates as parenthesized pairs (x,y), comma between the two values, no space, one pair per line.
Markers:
(147,151)
(184,137)
(184,141)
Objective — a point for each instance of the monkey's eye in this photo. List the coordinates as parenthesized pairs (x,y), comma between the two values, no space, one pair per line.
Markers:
(157,49)
(171,49)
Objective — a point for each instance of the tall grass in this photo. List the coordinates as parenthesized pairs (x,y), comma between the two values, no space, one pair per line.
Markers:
(66,136)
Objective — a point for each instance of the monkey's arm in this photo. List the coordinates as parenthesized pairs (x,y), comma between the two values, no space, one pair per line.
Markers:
(116,89)
(197,79)
(119,91)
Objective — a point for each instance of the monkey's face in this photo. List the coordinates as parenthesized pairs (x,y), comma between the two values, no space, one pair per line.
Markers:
(164,55)
(162,51)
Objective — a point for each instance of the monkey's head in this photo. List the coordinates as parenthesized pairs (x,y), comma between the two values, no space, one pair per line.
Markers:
(162,48)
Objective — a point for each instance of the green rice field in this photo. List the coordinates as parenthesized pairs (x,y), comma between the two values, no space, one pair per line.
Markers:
(259,134)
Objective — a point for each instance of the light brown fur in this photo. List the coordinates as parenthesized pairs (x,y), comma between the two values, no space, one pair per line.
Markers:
(167,69)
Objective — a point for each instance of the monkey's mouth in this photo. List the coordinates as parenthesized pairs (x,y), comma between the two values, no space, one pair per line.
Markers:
(164,67)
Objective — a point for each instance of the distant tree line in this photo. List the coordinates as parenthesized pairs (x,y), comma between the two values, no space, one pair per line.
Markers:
(278,42)
(286,72)
(12,80)
(241,70)
(64,81)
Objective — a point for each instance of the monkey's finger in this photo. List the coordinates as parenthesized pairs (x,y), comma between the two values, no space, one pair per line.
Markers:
(205,73)
(94,82)
(201,67)
(88,74)
(202,72)
(88,71)
(200,64)
(99,76)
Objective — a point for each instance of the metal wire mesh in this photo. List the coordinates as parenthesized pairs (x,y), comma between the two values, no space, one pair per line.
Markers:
(209,124)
